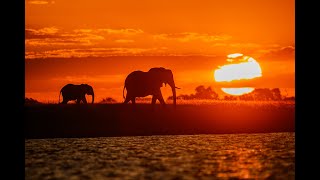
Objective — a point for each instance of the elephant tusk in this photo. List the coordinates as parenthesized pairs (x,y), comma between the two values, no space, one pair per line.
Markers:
(177,88)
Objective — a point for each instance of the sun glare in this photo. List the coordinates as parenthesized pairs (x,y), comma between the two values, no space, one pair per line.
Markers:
(246,68)
(239,67)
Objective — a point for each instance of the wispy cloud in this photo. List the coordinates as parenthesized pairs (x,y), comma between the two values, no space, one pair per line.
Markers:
(191,36)
(43,31)
(279,53)
(122,31)
(40,2)
(124,41)
(128,31)
(94,52)
(50,36)
(84,42)
(236,45)
(47,32)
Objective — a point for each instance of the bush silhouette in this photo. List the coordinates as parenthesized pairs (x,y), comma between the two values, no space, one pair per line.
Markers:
(201,93)
(107,100)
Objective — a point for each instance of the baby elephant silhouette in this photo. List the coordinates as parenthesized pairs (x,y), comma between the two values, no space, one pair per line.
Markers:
(76,92)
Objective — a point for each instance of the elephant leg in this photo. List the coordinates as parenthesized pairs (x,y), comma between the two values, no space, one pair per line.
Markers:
(78,101)
(154,99)
(127,100)
(65,101)
(84,100)
(160,98)
(133,100)
(153,103)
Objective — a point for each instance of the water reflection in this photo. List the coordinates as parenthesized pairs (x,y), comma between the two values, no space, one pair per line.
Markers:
(239,156)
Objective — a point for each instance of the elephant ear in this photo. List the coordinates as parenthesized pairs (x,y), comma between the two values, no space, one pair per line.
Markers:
(158,81)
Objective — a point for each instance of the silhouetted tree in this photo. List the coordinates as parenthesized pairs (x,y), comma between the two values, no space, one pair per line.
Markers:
(262,94)
(205,93)
(276,94)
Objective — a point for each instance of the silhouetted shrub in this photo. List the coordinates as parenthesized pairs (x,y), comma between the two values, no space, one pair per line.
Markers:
(201,93)
(230,98)
(107,100)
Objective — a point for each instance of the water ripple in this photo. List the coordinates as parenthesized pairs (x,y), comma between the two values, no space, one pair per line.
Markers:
(226,156)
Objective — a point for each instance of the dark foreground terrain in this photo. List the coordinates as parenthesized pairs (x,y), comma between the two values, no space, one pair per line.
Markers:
(97,120)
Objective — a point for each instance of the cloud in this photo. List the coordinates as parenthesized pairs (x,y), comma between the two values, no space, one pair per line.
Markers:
(41,33)
(51,36)
(122,31)
(46,30)
(124,41)
(282,53)
(191,36)
(50,41)
(93,52)
(236,45)
(40,2)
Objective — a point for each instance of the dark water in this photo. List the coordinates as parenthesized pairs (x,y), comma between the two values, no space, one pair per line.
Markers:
(228,156)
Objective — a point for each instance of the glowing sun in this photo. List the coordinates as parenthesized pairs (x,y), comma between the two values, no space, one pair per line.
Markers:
(238,67)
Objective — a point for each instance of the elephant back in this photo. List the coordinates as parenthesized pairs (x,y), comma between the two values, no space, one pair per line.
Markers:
(72,91)
(139,82)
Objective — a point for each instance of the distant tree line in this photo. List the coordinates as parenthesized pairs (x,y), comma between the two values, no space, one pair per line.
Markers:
(258,94)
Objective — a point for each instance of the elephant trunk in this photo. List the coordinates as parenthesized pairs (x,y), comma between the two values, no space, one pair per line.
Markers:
(173,88)
(92,97)
(174,96)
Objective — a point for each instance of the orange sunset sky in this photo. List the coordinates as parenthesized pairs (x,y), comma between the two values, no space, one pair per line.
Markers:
(100,42)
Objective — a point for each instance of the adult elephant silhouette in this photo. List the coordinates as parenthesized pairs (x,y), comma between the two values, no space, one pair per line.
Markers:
(76,92)
(141,84)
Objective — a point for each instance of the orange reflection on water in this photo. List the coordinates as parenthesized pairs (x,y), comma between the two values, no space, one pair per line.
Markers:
(246,165)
